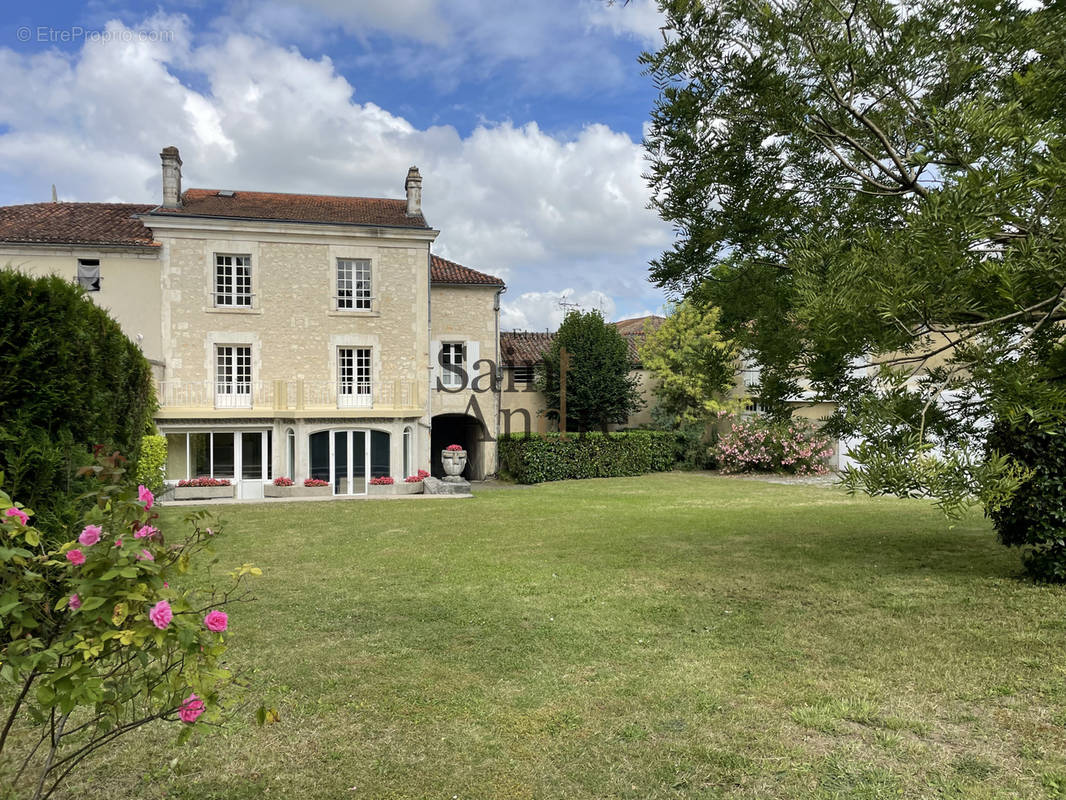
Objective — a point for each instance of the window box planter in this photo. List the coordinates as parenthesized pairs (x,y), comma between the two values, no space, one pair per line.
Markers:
(204,492)
(395,488)
(270,490)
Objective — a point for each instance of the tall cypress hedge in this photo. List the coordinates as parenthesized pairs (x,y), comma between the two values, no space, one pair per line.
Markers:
(70,379)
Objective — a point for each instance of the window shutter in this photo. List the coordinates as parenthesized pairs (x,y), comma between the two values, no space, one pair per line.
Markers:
(472,354)
(434,362)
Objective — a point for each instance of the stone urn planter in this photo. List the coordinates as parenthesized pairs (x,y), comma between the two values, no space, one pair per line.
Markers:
(399,488)
(454,462)
(270,490)
(204,492)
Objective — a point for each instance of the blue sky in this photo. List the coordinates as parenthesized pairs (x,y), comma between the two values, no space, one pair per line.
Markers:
(525,119)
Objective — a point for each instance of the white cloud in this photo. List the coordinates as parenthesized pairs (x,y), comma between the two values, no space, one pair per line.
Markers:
(536,209)
(539,311)
(640,19)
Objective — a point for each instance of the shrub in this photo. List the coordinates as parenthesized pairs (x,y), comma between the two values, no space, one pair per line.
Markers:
(99,637)
(71,380)
(152,465)
(315,482)
(760,445)
(279,481)
(384,480)
(1035,517)
(549,457)
(203,482)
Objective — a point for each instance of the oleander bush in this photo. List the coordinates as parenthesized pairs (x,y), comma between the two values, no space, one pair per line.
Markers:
(536,458)
(758,444)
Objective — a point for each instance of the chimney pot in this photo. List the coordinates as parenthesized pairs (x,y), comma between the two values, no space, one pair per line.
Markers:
(413,185)
(171,177)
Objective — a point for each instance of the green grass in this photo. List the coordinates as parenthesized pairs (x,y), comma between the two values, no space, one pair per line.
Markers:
(671,636)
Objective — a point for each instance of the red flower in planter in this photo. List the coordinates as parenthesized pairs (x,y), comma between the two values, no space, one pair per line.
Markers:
(315,482)
(203,481)
(382,481)
(454,448)
(283,481)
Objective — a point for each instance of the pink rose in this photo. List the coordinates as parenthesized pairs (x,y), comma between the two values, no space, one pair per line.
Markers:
(161,615)
(90,535)
(75,602)
(191,708)
(76,557)
(145,555)
(145,496)
(216,621)
(118,543)
(19,514)
(145,532)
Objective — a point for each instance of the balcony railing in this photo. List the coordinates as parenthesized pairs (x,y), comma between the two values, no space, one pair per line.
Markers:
(295,395)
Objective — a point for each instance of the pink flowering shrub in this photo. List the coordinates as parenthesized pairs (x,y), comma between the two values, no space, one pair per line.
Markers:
(385,480)
(98,636)
(282,481)
(315,482)
(204,481)
(760,445)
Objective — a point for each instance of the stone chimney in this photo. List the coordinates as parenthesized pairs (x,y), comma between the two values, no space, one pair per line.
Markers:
(413,185)
(171,177)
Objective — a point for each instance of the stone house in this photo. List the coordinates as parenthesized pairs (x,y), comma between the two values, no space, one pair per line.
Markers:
(290,335)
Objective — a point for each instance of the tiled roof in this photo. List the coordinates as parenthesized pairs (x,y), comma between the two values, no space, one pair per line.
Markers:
(524,347)
(296,208)
(110,224)
(441,270)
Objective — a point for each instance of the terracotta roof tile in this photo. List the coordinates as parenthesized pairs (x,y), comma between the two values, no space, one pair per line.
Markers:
(524,347)
(441,270)
(296,208)
(76,223)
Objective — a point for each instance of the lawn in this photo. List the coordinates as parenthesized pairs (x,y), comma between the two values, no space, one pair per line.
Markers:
(669,636)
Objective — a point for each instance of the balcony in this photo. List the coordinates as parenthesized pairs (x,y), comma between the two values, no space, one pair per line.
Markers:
(294,395)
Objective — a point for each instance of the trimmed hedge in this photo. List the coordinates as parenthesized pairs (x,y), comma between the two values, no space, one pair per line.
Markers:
(152,465)
(72,381)
(547,457)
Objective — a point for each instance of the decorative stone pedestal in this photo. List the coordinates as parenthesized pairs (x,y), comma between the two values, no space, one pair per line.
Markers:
(450,485)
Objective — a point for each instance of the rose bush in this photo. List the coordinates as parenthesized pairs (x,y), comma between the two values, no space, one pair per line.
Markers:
(98,636)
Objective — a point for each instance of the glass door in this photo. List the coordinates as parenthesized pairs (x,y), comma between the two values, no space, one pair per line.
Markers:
(348,460)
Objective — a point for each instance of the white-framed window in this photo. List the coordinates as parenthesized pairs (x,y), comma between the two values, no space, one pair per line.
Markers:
(233,281)
(353,284)
(89,274)
(233,376)
(452,354)
(353,377)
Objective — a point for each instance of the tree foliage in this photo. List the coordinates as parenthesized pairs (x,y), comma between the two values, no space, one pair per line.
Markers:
(873,194)
(71,381)
(693,366)
(599,390)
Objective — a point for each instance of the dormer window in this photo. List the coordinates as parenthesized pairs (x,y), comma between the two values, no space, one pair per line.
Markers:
(353,284)
(233,281)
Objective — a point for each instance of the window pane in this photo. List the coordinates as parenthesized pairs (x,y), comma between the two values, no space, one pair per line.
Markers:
(379,454)
(319,455)
(200,454)
(252,455)
(223,455)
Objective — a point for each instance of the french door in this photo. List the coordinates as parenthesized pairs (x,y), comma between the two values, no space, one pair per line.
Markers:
(341,457)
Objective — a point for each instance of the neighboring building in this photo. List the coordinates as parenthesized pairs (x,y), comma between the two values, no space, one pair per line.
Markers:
(290,335)
(524,408)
